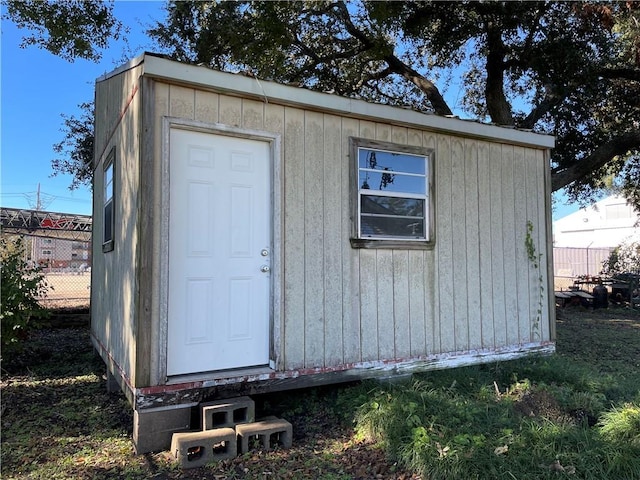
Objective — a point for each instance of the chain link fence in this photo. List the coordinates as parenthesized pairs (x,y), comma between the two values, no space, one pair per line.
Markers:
(67,289)
(570,263)
(66,265)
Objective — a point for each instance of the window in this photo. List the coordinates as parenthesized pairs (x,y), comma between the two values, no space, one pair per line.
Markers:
(618,211)
(108,210)
(393,193)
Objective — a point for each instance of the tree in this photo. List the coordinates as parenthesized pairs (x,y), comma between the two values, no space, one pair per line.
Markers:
(21,285)
(624,259)
(69,28)
(76,148)
(570,69)
(567,68)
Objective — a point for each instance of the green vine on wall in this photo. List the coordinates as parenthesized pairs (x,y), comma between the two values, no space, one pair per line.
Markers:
(535,259)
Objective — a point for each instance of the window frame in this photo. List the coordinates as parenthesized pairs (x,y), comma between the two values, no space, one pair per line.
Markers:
(109,164)
(360,241)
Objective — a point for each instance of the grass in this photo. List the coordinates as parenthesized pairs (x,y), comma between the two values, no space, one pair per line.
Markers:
(575,414)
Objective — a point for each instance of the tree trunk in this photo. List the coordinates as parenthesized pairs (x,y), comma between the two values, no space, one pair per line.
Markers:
(498,107)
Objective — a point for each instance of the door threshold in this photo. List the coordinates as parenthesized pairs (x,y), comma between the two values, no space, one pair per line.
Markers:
(219,374)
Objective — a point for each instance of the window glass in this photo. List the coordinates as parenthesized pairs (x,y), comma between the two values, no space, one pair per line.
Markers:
(392,188)
(391,182)
(108,213)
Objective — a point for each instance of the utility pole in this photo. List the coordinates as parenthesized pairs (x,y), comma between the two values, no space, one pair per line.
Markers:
(38,203)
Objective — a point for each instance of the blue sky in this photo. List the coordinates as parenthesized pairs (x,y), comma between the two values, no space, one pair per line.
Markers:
(38,87)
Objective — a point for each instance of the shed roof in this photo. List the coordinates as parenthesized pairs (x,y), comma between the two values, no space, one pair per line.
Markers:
(160,67)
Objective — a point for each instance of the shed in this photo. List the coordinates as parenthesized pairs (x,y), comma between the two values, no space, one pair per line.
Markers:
(251,236)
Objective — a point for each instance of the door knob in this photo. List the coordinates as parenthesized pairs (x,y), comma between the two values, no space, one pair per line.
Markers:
(265,268)
(264,252)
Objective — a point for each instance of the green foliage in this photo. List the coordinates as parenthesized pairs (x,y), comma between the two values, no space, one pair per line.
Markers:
(21,285)
(623,259)
(76,149)
(70,29)
(524,419)
(535,259)
(537,417)
(571,69)
(622,425)
(565,68)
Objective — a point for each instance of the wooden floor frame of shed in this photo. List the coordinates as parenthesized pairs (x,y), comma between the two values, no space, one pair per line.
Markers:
(140,102)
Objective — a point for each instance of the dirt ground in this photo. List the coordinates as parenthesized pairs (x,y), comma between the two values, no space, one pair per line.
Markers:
(67,290)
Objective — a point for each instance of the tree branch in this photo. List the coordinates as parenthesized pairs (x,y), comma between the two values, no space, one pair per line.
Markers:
(432,93)
(620,145)
(549,101)
(398,66)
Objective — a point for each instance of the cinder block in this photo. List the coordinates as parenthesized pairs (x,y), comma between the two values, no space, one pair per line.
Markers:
(195,449)
(268,433)
(227,413)
(152,430)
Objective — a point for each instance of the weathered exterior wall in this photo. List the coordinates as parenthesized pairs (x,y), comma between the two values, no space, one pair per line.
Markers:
(475,290)
(114,286)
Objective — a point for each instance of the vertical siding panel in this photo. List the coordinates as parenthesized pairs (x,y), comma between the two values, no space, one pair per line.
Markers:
(401,303)
(542,246)
(401,280)
(472,244)
(333,238)
(417,336)
(509,248)
(383,132)
(484,242)
(368,282)
(252,114)
(414,138)
(534,273)
(416,277)
(522,261)
(399,135)
(313,240)
(459,246)
(294,245)
(206,106)
(384,274)
(350,257)
(162,96)
(367,129)
(444,244)
(230,112)
(431,287)
(368,305)
(274,118)
(497,245)
(182,102)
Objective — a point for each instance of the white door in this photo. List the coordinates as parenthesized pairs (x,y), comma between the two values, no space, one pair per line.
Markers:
(219,252)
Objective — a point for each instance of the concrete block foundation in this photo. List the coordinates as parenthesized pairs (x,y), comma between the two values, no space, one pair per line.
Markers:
(195,449)
(153,429)
(267,433)
(227,413)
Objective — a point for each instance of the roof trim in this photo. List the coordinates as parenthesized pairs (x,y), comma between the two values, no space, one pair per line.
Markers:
(240,85)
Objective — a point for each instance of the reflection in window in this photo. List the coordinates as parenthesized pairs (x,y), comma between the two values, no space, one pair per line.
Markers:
(108,213)
(392,194)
